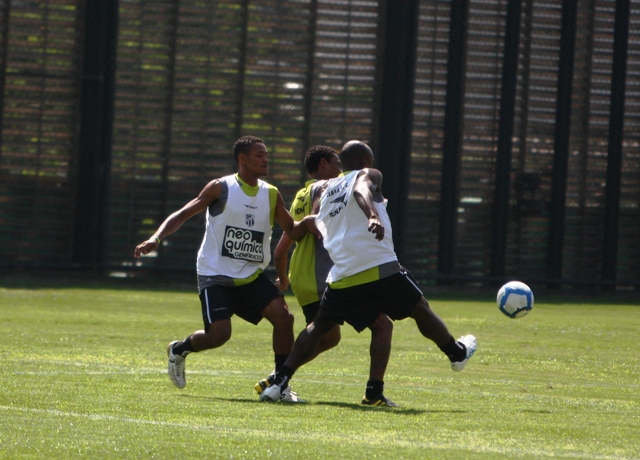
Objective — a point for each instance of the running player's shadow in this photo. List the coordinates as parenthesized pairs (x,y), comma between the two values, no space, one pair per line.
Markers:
(220,398)
(352,406)
(362,407)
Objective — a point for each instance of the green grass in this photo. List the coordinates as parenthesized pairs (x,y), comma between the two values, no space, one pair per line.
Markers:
(83,375)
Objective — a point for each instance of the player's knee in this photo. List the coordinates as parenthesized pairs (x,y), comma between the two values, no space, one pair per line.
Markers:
(218,333)
(332,338)
(382,325)
(282,319)
(322,325)
(422,311)
(277,312)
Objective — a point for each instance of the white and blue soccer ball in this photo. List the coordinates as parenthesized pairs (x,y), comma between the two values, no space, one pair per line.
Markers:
(515,299)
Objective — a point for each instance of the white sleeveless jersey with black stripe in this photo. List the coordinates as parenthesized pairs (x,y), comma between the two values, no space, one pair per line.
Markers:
(345,230)
(237,239)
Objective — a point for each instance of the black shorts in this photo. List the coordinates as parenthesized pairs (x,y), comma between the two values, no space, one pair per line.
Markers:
(246,301)
(396,296)
(310,311)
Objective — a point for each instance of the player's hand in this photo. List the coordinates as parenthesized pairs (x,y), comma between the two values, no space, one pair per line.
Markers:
(375,227)
(145,248)
(310,222)
(282,283)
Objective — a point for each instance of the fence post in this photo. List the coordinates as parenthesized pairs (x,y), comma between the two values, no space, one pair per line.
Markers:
(614,151)
(500,216)
(392,147)
(95,133)
(453,123)
(561,143)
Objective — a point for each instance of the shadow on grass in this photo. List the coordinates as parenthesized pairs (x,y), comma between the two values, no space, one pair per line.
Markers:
(352,406)
(218,398)
(396,410)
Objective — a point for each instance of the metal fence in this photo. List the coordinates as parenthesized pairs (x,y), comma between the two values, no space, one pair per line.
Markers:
(507,131)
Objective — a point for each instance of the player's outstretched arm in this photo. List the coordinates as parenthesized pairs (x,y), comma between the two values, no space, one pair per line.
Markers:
(367,184)
(209,194)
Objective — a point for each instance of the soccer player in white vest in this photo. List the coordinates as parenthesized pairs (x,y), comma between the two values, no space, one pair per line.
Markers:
(240,211)
(310,264)
(366,278)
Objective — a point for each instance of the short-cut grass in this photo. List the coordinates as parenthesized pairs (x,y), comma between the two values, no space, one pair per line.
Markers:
(84,375)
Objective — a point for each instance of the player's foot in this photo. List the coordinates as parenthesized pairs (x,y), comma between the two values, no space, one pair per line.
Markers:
(274,394)
(271,394)
(470,343)
(175,369)
(264,383)
(379,401)
(290,396)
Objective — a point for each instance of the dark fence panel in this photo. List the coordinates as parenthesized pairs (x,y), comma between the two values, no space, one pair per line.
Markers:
(192,76)
(41,74)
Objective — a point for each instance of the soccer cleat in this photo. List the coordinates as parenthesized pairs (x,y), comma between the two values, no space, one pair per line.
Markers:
(264,383)
(274,393)
(470,343)
(379,401)
(290,396)
(271,394)
(175,369)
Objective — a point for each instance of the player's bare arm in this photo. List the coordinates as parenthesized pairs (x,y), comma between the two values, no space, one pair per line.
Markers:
(209,194)
(367,190)
(280,259)
(294,230)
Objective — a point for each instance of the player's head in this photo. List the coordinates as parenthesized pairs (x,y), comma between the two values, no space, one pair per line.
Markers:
(243,145)
(314,156)
(356,155)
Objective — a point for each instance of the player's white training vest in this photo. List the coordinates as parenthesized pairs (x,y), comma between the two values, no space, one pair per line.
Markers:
(345,230)
(237,241)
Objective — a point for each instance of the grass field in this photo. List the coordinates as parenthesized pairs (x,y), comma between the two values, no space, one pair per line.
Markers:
(83,375)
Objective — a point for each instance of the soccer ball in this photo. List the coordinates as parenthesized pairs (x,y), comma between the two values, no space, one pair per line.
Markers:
(515,299)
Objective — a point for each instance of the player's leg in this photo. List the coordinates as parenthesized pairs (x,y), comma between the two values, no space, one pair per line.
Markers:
(330,339)
(308,341)
(433,327)
(430,325)
(379,350)
(304,348)
(278,314)
(216,314)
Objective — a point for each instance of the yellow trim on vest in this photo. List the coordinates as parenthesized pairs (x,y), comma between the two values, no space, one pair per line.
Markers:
(273,199)
(252,190)
(365,276)
(247,280)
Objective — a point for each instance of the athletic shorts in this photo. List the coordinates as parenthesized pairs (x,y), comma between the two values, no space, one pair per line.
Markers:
(246,301)
(396,296)
(310,311)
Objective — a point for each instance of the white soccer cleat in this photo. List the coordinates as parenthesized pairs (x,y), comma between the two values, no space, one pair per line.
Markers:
(274,394)
(271,394)
(290,396)
(470,344)
(175,368)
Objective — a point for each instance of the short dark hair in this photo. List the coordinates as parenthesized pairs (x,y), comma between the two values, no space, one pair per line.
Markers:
(243,145)
(315,155)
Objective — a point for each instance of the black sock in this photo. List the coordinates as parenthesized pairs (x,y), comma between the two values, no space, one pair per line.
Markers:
(183,348)
(454,350)
(375,388)
(283,376)
(280,360)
